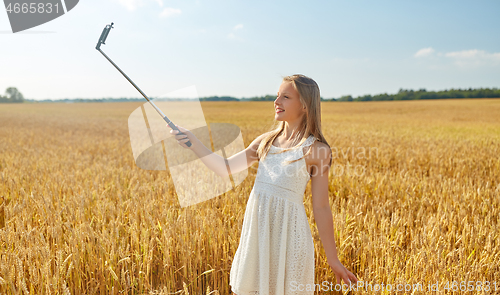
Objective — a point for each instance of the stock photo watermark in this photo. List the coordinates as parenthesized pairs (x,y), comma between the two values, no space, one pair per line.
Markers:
(153,147)
(26,14)
(353,153)
(463,286)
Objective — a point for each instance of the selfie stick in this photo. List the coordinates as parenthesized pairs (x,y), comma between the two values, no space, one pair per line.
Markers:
(102,39)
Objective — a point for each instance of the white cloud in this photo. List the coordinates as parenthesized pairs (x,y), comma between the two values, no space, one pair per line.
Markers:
(235,28)
(473,57)
(160,2)
(424,52)
(464,58)
(473,53)
(169,11)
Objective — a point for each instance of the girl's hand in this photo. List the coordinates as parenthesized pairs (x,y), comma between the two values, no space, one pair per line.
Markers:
(342,273)
(183,138)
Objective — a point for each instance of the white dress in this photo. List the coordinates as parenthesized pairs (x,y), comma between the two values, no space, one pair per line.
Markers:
(275,255)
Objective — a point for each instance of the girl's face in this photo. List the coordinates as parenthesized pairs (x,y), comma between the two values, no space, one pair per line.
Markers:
(287,105)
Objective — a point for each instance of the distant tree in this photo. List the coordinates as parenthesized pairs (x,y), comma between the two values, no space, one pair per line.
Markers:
(264,98)
(383,96)
(13,95)
(218,98)
(345,98)
(367,97)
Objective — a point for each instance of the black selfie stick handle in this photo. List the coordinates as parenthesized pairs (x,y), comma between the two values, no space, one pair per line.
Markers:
(104,35)
(102,39)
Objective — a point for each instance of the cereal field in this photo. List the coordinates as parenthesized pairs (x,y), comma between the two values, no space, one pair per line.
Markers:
(414,190)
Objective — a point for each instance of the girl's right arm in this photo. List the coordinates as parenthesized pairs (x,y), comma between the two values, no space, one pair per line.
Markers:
(237,162)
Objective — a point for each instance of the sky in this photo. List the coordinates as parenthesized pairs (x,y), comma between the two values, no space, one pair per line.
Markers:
(244,48)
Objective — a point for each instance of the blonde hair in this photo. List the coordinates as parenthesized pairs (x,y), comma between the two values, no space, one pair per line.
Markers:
(310,98)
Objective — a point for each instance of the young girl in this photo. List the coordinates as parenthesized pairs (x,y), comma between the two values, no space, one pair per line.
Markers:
(275,255)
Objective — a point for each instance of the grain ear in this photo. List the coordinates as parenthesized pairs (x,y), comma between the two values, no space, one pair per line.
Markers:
(2,212)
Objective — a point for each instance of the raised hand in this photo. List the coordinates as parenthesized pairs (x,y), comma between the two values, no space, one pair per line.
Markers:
(185,137)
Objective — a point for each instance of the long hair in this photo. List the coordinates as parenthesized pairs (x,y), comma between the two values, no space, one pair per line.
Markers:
(311,121)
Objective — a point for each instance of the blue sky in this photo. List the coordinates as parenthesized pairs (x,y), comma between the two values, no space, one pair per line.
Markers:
(243,48)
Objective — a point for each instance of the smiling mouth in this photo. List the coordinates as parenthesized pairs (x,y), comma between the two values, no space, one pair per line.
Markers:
(279,111)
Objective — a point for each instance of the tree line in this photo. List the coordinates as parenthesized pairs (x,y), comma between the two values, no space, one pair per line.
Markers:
(405,94)
(12,95)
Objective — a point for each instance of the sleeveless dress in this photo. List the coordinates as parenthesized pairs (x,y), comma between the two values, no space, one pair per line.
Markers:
(275,255)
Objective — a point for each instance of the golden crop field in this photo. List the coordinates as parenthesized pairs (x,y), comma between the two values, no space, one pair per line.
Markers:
(414,190)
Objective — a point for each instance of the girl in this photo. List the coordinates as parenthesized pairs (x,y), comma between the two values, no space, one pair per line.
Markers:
(275,255)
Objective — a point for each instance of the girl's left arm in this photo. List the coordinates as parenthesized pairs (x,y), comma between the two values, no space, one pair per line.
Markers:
(321,161)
